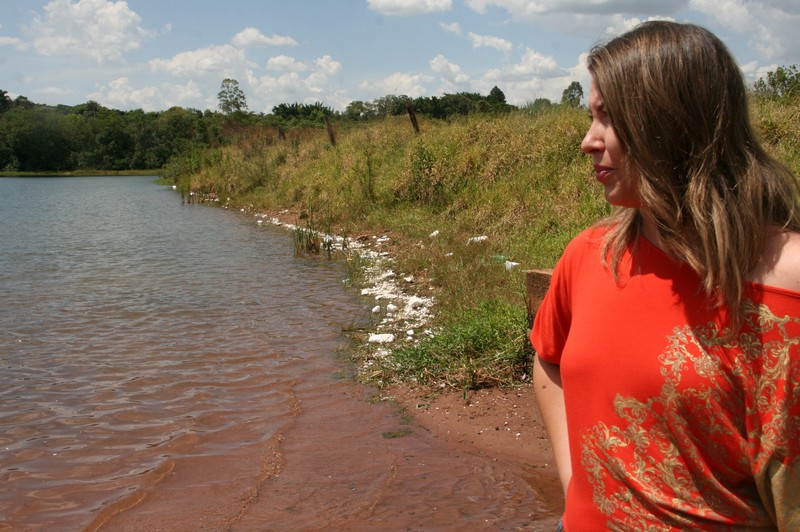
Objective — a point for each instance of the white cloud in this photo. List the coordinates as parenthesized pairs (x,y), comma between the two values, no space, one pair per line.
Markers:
(771,24)
(56,91)
(619,24)
(452,79)
(290,83)
(17,44)
(452,27)
(251,37)
(225,60)
(579,19)
(120,94)
(514,7)
(409,7)
(532,65)
(327,65)
(450,71)
(752,71)
(489,41)
(536,76)
(732,14)
(399,83)
(99,29)
(284,63)
(529,10)
(292,86)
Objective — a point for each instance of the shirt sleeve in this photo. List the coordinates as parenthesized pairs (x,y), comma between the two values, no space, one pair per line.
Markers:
(783,495)
(774,427)
(552,322)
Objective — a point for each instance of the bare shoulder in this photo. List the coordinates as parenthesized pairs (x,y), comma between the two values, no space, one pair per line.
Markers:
(780,266)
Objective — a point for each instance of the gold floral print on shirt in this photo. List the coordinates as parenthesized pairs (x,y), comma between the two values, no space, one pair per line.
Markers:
(728,410)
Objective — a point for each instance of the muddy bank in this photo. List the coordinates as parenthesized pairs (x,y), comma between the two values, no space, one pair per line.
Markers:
(502,424)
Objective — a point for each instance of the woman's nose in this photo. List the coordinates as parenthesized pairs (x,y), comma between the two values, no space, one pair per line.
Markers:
(592,141)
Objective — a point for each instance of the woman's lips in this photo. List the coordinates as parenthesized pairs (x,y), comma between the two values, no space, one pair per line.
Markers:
(602,173)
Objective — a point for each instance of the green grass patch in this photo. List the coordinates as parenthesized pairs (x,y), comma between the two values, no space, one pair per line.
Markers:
(518,179)
(477,347)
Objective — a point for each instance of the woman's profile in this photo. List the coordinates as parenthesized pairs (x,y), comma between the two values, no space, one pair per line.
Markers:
(668,345)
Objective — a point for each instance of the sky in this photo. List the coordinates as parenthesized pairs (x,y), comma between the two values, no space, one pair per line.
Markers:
(156,54)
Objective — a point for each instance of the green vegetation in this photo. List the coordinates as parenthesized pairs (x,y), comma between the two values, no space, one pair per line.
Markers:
(782,83)
(477,167)
(517,178)
(480,347)
(89,137)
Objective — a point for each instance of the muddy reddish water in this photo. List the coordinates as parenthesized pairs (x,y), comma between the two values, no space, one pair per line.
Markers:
(173,367)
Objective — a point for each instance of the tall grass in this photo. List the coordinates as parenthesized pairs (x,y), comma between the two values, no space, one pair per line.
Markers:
(518,179)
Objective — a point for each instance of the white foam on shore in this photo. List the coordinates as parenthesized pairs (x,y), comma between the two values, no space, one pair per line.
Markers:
(399,313)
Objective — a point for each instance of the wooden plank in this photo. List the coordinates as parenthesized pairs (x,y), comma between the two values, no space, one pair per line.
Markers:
(536,284)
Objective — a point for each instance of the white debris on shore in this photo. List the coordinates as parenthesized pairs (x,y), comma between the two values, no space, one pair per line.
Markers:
(398,314)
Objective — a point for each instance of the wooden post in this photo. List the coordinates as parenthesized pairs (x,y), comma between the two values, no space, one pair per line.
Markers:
(536,284)
(331,135)
(413,116)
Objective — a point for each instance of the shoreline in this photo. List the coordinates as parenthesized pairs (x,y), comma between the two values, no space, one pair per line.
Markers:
(502,424)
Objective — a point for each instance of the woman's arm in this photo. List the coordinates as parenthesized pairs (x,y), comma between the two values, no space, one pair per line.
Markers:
(550,396)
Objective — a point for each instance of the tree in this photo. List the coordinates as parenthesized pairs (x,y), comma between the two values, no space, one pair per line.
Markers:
(5,101)
(572,95)
(300,114)
(231,97)
(496,95)
(358,110)
(38,140)
(784,82)
(537,106)
(390,105)
(23,102)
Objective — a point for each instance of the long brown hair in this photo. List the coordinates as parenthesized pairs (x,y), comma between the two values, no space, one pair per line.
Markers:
(679,107)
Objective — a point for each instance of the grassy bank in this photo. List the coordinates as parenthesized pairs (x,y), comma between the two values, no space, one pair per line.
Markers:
(519,180)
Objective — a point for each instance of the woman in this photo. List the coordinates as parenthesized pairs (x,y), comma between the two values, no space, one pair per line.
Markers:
(668,365)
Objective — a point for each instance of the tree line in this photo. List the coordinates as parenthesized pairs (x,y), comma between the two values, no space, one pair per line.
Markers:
(44,138)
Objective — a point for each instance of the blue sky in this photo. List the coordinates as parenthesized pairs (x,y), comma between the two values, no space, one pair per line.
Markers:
(155,54)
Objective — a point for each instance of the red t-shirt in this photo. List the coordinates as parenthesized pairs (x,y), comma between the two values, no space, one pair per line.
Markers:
(671,425)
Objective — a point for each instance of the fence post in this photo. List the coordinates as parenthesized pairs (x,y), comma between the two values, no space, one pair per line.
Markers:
(331,134)
(413,116)
(536,284)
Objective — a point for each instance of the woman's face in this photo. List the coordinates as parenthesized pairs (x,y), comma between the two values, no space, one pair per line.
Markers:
(602,144)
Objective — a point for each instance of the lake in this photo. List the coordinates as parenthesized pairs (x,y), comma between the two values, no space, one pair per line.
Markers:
(174,366)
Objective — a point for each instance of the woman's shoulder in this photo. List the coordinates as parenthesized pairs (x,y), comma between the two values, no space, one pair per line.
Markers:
(587,242)
(780,264)
(592,236)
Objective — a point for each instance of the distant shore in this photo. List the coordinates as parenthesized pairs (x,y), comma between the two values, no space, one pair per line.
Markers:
(84,173)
